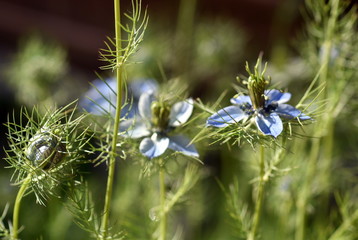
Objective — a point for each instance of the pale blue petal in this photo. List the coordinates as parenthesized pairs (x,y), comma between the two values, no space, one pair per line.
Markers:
(147,147)
(289,112)
(135,89)
(154,146)
(144,105)
(180,112)
(100,106)
(106,87)
(138,87)
(130,110)
(100,99)
(226,116)
(181,144)
(241,100)
(303,116)
(134,128)
(269,125)
(274,95)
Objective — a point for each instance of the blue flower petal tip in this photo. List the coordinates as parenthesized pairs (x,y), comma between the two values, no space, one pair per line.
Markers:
(147,148)
(303,116)
(182,144)
(213,122)
(181,112)
(154,146)
(226,116)
(269,125)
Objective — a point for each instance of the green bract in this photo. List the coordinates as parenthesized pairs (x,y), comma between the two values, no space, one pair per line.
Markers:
(47,149)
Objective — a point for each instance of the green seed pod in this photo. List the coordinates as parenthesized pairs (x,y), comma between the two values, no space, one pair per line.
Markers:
(45,150)
(160,115)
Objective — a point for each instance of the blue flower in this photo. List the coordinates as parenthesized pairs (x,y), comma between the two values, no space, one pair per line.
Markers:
(101,98)
(155,121)
(267,118)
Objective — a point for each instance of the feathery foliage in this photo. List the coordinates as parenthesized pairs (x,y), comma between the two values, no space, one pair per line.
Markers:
(56,138)
(138,21)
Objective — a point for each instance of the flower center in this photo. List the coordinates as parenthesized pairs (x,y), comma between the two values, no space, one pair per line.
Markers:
(256,85)
(247,108)
(160,115)
(269,108)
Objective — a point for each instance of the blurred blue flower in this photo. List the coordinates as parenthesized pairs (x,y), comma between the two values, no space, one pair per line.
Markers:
(267,118)
(155,121)
(101,98)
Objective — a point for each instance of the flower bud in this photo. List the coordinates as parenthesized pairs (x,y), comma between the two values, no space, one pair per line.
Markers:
(45,150)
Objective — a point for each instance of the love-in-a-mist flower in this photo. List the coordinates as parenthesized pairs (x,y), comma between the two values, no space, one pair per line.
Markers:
(156,122)
(265,107)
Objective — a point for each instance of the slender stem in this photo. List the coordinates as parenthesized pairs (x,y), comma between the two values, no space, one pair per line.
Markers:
(163,219)
(20,194)
(327,46)
(332,95)
(260,195)
(305,193)
(184,33)
(112,159)
(324,130)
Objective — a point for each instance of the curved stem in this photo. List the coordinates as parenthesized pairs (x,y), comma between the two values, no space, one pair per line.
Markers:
(260,194)
(20,194)
(163,219)
(111,164)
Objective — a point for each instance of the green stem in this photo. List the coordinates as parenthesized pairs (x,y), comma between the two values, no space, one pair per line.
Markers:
(184,35)
(112,159)
(20,194)
(327,48)
(332,95)
(305,192)
(260,195)
(163,219)
(324,129)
